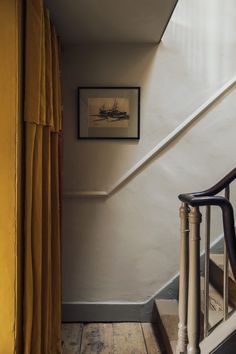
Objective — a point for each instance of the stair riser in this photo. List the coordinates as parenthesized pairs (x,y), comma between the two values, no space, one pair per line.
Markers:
(163,335)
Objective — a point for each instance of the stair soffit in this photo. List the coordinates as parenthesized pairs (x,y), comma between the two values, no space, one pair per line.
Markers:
(110,21)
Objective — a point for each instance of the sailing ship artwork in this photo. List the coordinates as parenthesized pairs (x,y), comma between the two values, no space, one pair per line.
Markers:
(111,112)
(108,112)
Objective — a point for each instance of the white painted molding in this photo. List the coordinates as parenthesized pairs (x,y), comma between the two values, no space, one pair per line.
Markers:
(81,194)
(158,148)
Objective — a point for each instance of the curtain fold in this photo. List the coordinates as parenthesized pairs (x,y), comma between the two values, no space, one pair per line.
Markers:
(42,266)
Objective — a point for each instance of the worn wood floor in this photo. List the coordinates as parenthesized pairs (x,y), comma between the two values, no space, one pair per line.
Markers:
(110,338)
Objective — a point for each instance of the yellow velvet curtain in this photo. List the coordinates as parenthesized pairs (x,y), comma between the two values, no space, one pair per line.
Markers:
(42,268)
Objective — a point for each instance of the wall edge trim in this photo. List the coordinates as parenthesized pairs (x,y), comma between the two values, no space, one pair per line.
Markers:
(162,145)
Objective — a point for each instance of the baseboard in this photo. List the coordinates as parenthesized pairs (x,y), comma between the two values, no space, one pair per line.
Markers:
(127,311)
(106,312)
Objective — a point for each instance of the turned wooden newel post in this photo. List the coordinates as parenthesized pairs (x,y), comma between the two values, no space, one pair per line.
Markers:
(183,279)
(194,309)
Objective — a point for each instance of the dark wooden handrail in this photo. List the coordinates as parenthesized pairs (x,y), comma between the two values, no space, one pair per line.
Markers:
(218,187)
(228,221)
(208,197)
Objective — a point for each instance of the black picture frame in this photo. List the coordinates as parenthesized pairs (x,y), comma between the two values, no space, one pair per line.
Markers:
(119,124)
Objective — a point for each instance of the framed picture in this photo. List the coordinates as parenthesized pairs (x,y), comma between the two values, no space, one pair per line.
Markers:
(108,112)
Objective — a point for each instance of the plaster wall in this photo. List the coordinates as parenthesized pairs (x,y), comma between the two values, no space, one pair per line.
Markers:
(125,247)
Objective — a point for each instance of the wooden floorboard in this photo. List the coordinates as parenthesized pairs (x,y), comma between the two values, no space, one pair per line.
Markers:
(128,339)
(110,338)
(71,338)
(97,338)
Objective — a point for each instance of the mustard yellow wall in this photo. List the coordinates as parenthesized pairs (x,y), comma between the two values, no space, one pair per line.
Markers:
(10,125)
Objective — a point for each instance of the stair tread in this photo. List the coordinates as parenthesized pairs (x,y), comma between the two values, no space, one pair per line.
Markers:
(216,304)
(168,311)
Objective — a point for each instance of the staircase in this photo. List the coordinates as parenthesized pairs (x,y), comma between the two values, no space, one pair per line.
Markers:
(168,311)
(204,302)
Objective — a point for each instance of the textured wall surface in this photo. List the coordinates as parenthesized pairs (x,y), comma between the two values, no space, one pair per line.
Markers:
(125,247)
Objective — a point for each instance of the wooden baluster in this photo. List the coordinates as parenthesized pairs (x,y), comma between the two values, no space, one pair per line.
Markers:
(183,279)
(226,274)
(206,279)
(226,269)
(194,282)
